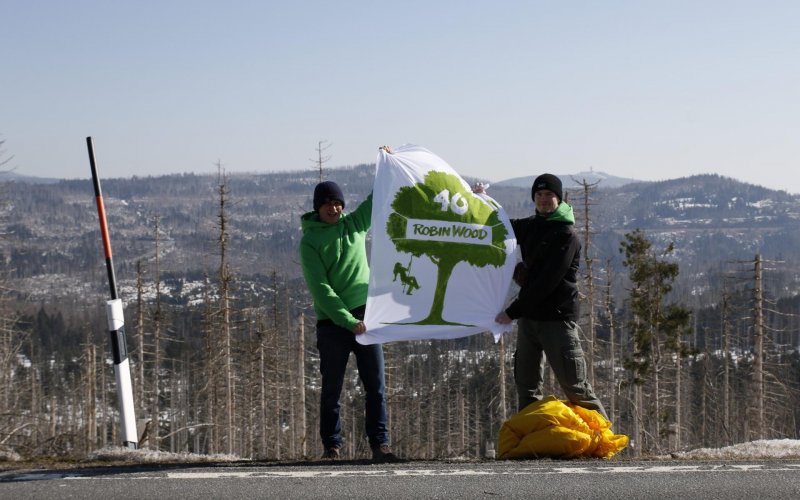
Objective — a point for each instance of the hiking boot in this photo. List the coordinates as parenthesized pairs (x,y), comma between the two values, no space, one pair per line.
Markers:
(383,453)
(331,453)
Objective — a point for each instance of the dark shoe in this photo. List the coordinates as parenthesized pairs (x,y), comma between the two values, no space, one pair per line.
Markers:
(331,453)
(383,453)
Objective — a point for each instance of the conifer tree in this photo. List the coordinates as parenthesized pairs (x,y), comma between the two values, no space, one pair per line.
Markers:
(656,327)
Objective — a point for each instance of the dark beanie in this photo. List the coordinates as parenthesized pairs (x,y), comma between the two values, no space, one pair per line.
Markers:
(325,192)
(550,182)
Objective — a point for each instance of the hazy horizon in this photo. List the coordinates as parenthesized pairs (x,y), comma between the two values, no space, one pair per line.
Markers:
(505,89)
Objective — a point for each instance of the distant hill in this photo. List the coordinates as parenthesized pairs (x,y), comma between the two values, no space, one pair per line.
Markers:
(53,243)
(573,180)
(30,179)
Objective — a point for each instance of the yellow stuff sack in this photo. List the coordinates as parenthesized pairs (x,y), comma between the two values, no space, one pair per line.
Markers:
(558,429)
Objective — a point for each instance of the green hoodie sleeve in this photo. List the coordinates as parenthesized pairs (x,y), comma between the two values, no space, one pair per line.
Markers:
(362,215)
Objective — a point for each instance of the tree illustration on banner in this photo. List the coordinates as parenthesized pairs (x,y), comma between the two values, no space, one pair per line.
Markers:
(441,219)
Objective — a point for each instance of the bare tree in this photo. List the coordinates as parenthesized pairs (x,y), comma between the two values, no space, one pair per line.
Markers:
(321,159)
(225,313)
(12,339)
(758,345)
(503,404)
(158,320)
(726,367)
(90,391)
(138,372)
(612,344)
(211,371)
(300,379)
(6,160)
(589,273)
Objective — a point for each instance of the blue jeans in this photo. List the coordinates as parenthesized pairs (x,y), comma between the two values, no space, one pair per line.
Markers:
(335,345)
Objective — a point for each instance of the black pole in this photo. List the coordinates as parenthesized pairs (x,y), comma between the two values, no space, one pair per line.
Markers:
(101,212)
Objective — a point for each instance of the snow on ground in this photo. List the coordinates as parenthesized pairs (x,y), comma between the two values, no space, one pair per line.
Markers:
(762,449)
(765,448)
(120,454)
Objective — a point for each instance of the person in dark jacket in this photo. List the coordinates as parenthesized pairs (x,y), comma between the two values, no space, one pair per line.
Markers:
(334,261)
(547,307)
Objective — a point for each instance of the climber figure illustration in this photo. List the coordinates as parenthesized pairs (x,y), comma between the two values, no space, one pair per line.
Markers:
(409,282)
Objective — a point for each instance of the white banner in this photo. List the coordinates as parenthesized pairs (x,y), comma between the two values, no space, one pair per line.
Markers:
(442,257)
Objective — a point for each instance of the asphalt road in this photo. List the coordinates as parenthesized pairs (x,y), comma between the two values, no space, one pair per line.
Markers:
(573,479)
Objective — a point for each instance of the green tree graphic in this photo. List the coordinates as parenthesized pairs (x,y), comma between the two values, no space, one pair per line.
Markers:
(442,198)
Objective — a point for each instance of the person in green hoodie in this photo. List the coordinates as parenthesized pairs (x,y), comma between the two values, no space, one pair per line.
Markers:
(547,308)
(333,257)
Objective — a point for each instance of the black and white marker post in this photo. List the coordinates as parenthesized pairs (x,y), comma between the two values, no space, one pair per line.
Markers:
(116,324)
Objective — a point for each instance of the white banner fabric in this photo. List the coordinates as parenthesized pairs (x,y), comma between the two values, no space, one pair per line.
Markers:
(442,257)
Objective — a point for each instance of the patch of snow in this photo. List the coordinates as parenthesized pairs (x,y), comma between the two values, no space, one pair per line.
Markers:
(9,456)
(119,453)
(764,448)
(761,449)
(761,203)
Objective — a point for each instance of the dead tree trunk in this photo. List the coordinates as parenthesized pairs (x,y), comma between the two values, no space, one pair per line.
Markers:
(301,383)
(726,371)
(225,310)
(612,347)
(678,406)
(638,410)
(503,405)
(91,394)
(156,371)
(138,372)
(321,159)
(758,348)
(588,262)
(211,371)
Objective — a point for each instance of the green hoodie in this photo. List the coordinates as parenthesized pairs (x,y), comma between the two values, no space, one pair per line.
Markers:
(334,262)
(563,214)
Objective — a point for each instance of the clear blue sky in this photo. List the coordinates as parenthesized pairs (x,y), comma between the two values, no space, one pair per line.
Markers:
(644,89)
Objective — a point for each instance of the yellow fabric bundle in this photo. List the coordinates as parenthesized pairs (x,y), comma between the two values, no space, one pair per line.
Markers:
(558,429)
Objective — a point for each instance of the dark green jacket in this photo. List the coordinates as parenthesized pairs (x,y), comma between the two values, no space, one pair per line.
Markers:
(334,262)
